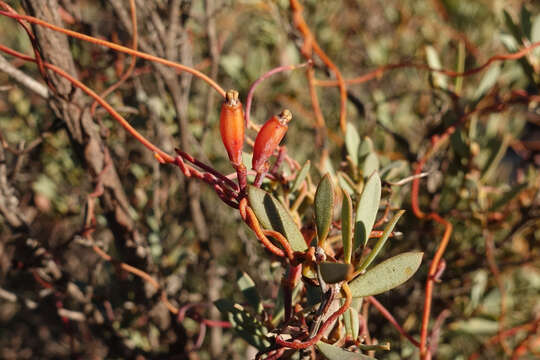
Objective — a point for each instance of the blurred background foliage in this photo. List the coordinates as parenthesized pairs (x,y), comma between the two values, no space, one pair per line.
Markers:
(484,180)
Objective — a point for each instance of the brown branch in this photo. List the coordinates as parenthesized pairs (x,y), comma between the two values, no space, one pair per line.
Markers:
(23,79)
(83,131)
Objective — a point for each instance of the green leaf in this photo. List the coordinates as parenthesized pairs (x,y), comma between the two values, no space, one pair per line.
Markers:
(347,226)
(352,142)
(245,325)
(535,34)
(386,275)
(247,286)
(382,240)
(328,168)
(333,272)
(350,317)
(366,148)
(525,17)
(509,195)
(314,295)
(273,215)
(476,326)
(478,289)
(332,352)
(439,80)
(304,171)
(246,160)
(393,169)
(488,81)
(371,164)
(368,205)
(495,158)
(509,42)
(512,27)
(518,35)
(324,207)
(346,183)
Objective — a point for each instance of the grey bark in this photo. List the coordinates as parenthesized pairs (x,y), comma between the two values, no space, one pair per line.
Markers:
(70,105)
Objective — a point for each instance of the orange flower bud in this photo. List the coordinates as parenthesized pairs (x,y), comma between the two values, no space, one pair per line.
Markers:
(269,138)
(231,126)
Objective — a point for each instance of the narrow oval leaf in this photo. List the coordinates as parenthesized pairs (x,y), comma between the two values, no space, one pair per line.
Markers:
(352,142)
(347,226)
(332,272)
(273,215)
(393,169)
(488,81)
(368,205)
(535,33)
(371,164)
(386,275)
(439,80)
(245,325)
(351,319)
(301,176)
(382,240)
(366,148)
(347,184)
(475,326)
(332,352)
(512,27)
(324,206)
(248,289)
(525,17)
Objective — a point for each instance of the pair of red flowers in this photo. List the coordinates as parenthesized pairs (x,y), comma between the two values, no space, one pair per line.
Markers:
(232,127)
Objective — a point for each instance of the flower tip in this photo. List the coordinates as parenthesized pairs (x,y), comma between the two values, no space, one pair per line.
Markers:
(284,117)
(231,97)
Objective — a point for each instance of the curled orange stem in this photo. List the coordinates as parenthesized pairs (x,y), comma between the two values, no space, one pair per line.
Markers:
(282,240)
(255,226)
(117,47)
(125,124)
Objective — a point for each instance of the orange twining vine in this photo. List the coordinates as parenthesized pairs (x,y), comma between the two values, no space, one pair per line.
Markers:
(233,122)
(437,142)
(114,46)
(378,72)
(310,45)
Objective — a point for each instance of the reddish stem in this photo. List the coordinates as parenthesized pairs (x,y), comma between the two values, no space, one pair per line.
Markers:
(381,70)
(392,320)
(117,47)
(207,168)
(166,157)
(265,76)
(305,344)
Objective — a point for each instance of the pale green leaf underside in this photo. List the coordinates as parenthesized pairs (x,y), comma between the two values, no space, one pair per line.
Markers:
(368,206)
(301,176)
(386,275)
(347,226)
(332,352)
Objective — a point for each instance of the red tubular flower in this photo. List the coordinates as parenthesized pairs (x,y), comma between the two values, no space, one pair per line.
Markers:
(231,126)
(269,138)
